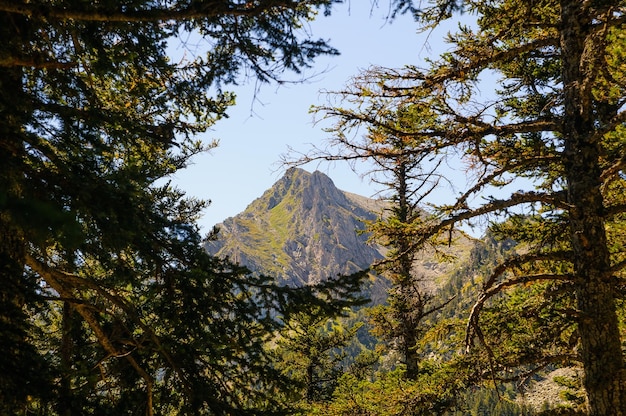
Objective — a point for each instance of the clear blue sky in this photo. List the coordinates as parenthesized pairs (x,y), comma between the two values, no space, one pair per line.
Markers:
(246,162)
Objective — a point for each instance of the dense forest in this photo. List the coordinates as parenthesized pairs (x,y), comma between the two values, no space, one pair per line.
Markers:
(109,305)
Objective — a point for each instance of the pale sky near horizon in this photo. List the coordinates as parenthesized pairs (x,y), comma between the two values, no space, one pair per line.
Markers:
(262,127)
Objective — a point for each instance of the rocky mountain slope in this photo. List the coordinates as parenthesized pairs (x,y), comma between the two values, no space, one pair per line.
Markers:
(302,230)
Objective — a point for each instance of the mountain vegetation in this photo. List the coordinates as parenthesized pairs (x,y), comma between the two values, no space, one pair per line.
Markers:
(110,304)
(364,351)
(302,230)
(541,146)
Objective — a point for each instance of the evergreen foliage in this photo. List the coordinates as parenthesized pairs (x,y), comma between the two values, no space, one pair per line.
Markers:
(311,352)
(108,303)
(488,402)
(528,103)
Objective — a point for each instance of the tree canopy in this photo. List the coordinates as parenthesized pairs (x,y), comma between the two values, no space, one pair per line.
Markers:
(108,303)
(529,104)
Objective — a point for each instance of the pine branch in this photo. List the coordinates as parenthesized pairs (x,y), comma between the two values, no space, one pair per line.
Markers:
(34,62)
(461,70)
(495,206)
(86,313)
(177,12)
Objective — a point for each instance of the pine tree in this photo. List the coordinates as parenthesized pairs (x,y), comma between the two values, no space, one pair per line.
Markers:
(94,117)
(401,321)
(528,103)
(310,350)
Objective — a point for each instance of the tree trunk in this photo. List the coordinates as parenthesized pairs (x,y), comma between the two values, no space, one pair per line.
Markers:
(64,406)
(600,349)
(19,368)
(22,370)
(12,317)
(408,299)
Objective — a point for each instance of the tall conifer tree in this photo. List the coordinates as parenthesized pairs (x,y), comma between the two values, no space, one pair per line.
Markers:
(108,305)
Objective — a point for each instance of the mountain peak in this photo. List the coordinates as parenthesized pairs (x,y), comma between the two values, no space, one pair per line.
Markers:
(309,187)
(302,230)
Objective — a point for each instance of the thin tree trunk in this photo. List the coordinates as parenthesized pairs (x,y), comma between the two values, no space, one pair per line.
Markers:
(409,305)
(65,385)
(600,348)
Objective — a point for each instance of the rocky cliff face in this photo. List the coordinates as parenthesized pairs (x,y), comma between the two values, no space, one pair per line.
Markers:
(302,230)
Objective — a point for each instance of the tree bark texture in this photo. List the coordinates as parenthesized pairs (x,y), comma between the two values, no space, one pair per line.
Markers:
(13,328)
(22,369)
(409,302)
(600,349)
